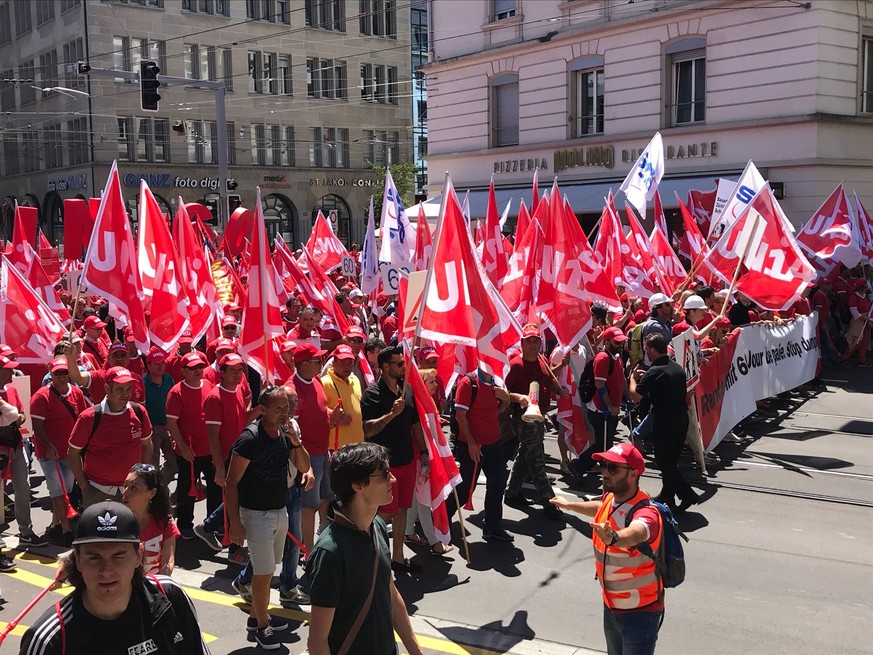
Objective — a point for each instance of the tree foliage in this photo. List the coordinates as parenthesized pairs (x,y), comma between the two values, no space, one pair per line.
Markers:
(404,179)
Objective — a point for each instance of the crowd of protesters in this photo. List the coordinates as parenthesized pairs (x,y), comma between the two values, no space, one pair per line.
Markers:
(159,430)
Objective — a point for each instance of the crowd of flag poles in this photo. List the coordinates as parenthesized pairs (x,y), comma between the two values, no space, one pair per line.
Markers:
(479,289)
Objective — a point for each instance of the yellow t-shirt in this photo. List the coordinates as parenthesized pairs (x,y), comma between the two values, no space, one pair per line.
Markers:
(350,393)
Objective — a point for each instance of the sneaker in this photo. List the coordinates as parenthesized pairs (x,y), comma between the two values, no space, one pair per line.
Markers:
(244,590)
(55,533)
(517,501)
(239,557)
(187,534)
(500,535)
(7,565)
(294,596)
(31,539)
(274,622)
(207,537)
(267,639)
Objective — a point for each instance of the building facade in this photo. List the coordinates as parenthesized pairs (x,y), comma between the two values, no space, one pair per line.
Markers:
(576,88)
(317,90)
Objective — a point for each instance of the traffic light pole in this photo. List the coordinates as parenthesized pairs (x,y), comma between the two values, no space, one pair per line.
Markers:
(219,89)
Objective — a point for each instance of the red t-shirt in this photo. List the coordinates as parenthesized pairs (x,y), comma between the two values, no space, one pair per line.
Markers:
(523,372)
(97,387)
(312,415)
(298,336)
(58,422)
(614,382)
(115,446)
(389,328)
(153,537)
(227,409)
(185,404)
(859,302)
(482,413)
(819,300)
(213,375)
(708,318)
(97,349)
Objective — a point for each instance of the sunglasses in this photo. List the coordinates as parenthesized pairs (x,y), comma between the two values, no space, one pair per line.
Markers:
(355,340)
(384,474)
(229,327)
(397,364)
(59,374)
(613,468)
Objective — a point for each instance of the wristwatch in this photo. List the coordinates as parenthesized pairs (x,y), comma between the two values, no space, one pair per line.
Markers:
(613,539)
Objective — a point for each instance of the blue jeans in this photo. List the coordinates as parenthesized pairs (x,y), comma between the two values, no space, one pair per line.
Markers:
(288,575)
(215,522)
(631,633)
(644,429)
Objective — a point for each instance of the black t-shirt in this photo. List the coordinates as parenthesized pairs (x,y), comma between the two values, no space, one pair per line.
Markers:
(664,384)
(738,314)
(265,481)
(129,633)
(396,436)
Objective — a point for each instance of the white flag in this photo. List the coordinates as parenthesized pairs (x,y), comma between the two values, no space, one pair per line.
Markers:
(642,181)
(750,182)
(397,237)
(369,261)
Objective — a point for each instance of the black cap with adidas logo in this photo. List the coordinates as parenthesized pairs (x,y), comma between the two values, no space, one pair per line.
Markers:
(107,522)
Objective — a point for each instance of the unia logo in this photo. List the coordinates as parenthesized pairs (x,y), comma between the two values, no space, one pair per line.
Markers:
(106,522)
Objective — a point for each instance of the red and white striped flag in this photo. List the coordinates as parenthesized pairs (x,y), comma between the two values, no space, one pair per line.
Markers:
(195,272)
(493,255)
(324,246)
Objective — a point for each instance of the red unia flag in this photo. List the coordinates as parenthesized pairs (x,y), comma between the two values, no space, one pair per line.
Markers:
(460,306)
(262,317)
(26,262)
(520,285)
(444,475)
(597,285)
(831,237)
(195,274)
(562,298)
(773,270)
(324,246)
(27,324)
(643,251)
(423,243)
(865,227)
(22,255)
(672,271)
(110,263)
(701,204)
(493,255)
(159,270)
(571,413)
(522,222)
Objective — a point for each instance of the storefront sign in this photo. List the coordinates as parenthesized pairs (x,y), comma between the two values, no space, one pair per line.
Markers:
(75,181)
(589,156)
(276,182)
(342,182)
(685,151)
(167,181)
(516,165)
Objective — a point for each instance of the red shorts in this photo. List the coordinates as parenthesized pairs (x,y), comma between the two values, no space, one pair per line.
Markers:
(403,488)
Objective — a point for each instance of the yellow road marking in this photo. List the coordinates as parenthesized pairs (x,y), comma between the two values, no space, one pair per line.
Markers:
(18,630)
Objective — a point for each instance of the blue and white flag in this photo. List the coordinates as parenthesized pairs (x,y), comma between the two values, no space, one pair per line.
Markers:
(369,261)
(642,181)
(398,237)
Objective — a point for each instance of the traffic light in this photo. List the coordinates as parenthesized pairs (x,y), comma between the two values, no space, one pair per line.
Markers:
(233,202)
(231,184)
(149,85)
(212,205)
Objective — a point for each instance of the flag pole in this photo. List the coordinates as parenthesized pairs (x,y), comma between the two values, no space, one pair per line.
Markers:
(461,521)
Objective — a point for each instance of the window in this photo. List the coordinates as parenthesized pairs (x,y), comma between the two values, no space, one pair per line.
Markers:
(283,76)
(259,145)
(256,72)
(368,83)
(231,144)
(867,74)
(422,111)
(161,131)
(125,139)
(77,141)
(269,73)
(504,110)
(325,14)
(48,70)
(27,71)
(587,83)
(128,53)
(10,154)
(419,30)
(504,9)
(23,19)
(225,66)
(5,24)
(214,7)
(283,145)
(66,5)
(197,142)
(326,78)
(30,151)
(381,147)
(686,59)
(143,139)
(328,147)
(7,91)
(74,51)
(378,18)
(54,152)
(45,11)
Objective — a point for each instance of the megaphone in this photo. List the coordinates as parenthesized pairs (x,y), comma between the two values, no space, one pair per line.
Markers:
(533,414)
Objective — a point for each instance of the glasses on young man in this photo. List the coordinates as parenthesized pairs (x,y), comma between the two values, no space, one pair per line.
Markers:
(385,475)
(612,468)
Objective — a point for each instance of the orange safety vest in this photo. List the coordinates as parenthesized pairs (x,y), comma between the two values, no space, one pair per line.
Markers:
(628,578)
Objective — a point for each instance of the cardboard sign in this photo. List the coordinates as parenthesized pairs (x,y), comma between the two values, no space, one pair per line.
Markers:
(412,302)
(391,276)
(349,269)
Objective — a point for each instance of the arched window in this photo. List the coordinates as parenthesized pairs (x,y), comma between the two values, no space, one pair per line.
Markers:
(279,217)
(53,213)
(335,210)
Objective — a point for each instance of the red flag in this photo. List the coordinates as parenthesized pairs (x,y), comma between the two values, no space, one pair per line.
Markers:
(479,234)
(562,299)
(195,272)
(110,264)
(324,246)
(460,305)
(660,219)
(27,324)
(493,255)
(692,246)
(522,222)
(520,284)
(78,223)
(598,288)
(43,241)
(865,227)
(571,412)
(831,236)
(643,251)
(239,226)
(262,316)
(444,475)
(327,289)
(535,192)
(22,254)
(423,242)
(773,269)
(701,204)
(159,271)
(24,228)
(672,271)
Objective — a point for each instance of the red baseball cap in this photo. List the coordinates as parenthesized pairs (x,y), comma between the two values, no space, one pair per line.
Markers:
(94,321)
(614,334)
(120,375)
(343,352)
(231,359)
(623,453)
(429,353)
(5,362)
(117,347)
(6,351)
(186,337)
(356,332)
(59,364)
(307,351)
(192,360)
(289,346)
(530,330)
(229,320)
(155,354)
(223,345)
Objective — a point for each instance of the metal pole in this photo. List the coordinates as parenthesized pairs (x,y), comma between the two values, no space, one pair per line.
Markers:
(221,127)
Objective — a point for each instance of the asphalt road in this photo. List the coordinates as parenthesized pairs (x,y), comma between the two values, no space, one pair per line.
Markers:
(779,558)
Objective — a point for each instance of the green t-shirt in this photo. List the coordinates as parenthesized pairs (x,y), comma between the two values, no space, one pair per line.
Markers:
(341,572)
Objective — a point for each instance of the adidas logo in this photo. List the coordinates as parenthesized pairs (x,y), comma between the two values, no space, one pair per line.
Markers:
(107,522)
(178,638)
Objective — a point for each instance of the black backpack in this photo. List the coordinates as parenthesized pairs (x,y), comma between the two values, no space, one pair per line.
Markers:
(453,422)
(587,388)
(670,557)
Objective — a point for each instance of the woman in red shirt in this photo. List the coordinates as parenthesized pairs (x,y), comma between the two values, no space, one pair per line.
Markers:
(148,499)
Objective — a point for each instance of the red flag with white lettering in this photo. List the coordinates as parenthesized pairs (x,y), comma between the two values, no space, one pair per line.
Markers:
(865,228)
(831,236)
(324,246)
(159,271)
(643,252)
(493,255)
(520,285)
(423,243)
(701,204)
(110,264)
(672,271)
(195,274)
(598,288)
(27,324)
(522,222)
(262,317)
(571,412)
(773,269)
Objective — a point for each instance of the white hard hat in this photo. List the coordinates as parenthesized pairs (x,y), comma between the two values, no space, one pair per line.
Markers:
(694,302)
(658,299)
